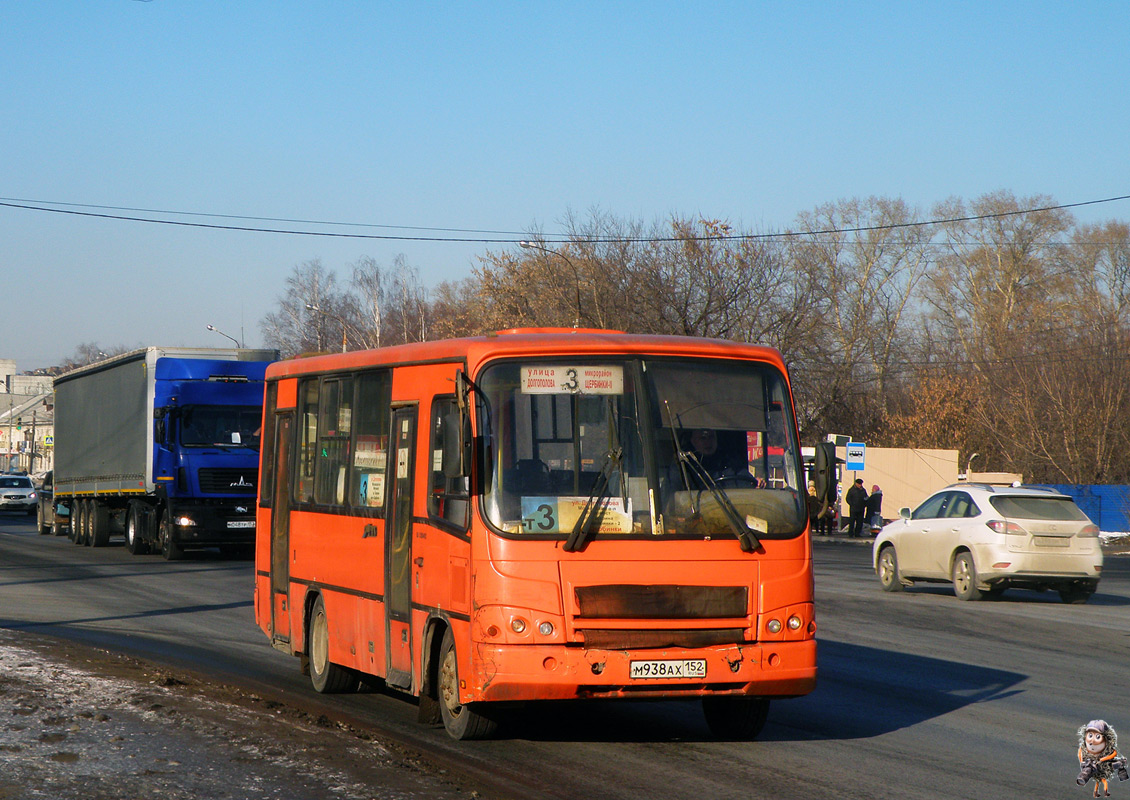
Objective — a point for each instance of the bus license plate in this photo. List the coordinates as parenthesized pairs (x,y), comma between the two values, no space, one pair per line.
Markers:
(241,523)
(688,668)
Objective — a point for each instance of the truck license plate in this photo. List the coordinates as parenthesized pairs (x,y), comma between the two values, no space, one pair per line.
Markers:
(241,523)
(686,668)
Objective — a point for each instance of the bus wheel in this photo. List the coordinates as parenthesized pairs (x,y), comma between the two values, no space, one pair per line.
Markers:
(461,721)
(327,677)
(135,542)
(170,550)
(735,718)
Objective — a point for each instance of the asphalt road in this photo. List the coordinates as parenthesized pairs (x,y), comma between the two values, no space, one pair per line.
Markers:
(919,695)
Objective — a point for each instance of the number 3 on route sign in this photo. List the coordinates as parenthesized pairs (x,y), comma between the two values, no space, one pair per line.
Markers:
(856,453)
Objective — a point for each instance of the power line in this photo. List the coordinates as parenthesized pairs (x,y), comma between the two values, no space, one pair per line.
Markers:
(255,219)
(490,237)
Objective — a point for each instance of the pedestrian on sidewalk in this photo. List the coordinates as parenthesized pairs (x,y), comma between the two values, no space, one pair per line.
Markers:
(857,507)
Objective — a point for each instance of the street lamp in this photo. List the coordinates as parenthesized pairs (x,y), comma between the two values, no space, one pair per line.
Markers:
(214,329)
(576,275)
(313,307)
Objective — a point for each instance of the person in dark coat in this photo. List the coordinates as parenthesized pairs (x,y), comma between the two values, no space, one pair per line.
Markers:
(857,507)
(875,508)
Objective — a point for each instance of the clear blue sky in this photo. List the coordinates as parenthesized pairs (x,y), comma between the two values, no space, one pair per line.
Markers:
(502,116)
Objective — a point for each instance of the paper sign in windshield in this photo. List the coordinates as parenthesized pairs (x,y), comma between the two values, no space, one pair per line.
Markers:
(560,514)
(573,380)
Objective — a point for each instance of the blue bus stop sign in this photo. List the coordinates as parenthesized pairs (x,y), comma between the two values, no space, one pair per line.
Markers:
(856,456)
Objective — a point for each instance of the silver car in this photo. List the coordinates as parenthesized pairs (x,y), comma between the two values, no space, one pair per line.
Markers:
(17,493)
(987,538)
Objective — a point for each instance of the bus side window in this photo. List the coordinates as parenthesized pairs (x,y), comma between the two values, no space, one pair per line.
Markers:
(335,419)
(370,450)
(308,433)
(449,499)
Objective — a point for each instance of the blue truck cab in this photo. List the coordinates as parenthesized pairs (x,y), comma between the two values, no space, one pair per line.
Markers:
(207,416)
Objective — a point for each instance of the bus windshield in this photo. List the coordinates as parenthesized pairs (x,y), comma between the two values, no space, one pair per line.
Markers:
(655,447)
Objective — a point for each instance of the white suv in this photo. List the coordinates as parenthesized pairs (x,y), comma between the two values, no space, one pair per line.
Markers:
(988,538)
(17,494)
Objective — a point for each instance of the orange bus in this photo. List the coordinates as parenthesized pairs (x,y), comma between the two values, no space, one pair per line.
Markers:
(539,514)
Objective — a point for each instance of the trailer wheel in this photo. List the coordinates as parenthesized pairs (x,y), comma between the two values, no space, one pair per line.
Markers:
(79,525)
(137,544)
(98,534)
(326,676)
(461,721)
(170,550)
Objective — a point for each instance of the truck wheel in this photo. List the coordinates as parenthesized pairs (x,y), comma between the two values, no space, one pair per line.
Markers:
(135,542)
(170,550)
(80,523)
(98,532)
(461,721)
(326,676)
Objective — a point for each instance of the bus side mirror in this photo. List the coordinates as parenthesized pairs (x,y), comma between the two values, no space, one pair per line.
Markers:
(456,445)
(824,469)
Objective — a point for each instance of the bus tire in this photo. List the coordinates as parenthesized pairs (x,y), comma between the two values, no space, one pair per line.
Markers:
(735,718)
(461,721)
(136,543)
(326,676)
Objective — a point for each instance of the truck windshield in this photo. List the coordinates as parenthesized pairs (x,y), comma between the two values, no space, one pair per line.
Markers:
(636,446)
(211,426)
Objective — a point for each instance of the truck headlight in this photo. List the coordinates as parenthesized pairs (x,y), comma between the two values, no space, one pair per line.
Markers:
(184,521)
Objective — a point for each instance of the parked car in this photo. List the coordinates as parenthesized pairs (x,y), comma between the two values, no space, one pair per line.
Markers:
(17,493)
(51,519)
(986,539)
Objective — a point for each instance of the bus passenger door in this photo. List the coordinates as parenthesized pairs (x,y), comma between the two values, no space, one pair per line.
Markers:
(280,530)
(398,550)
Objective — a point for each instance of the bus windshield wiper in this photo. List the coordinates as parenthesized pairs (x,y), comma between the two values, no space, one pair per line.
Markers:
(596,498)
(747,540)
(690,465)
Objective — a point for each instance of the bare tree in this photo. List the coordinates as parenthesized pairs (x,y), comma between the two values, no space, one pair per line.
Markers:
(312,314)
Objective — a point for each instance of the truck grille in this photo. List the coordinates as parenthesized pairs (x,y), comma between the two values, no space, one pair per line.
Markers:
(217,480)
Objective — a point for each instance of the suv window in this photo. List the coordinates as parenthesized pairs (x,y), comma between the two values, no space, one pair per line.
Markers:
(15,483)
(932,508)
(1031,507)
(961,505)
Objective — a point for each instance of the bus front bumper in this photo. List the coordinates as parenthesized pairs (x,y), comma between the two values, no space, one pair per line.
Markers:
(507,673)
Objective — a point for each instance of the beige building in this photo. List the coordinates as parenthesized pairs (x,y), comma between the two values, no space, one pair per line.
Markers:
(906,476)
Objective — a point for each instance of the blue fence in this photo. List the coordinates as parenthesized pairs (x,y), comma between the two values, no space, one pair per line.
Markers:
(1107,506)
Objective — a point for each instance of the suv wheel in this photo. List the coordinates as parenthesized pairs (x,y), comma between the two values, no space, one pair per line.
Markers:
(965,578)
